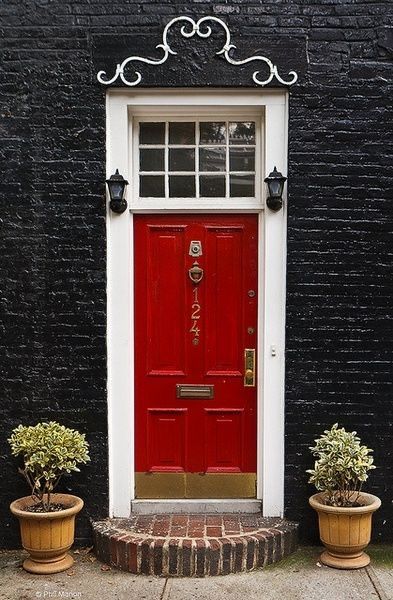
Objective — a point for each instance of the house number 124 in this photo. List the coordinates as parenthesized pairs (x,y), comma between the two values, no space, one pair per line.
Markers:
(195,316)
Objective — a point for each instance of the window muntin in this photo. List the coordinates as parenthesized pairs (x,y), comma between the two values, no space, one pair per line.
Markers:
(197,159)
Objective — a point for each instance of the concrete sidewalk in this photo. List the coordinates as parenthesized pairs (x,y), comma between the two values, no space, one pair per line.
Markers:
(299,577)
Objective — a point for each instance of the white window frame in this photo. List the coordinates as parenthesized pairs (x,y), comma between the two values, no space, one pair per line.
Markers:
(121,107)
(138,204)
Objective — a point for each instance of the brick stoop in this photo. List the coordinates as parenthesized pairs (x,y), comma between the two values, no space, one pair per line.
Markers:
(193,545)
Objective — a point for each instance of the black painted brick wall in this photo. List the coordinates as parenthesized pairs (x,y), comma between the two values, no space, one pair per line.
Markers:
(52,243)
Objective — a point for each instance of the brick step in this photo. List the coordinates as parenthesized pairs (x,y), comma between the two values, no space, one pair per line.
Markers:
(193,545)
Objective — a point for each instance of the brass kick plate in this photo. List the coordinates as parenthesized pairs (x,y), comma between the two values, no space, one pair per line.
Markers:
(195,485)
(194,391)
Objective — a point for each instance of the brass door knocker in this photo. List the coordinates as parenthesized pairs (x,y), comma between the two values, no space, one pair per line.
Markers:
(195,273)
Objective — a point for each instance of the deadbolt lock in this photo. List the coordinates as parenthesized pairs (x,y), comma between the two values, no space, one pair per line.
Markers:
(249,367)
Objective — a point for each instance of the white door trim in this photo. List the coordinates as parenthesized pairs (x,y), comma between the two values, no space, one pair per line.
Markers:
(120,106)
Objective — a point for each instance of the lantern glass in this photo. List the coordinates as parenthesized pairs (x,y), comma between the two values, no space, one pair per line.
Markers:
(116,190)
(275,188)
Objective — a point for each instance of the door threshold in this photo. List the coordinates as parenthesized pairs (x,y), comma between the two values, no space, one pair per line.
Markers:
(197,506)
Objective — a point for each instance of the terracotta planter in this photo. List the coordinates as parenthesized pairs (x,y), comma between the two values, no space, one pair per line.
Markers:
(47,536)
(345,531)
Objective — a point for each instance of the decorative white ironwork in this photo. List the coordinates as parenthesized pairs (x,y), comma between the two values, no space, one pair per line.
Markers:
(203,31)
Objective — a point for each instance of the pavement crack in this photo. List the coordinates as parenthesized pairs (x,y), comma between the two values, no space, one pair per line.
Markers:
(376,583)
(167,589)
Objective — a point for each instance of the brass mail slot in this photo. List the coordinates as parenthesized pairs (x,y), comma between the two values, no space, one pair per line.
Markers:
(194,391)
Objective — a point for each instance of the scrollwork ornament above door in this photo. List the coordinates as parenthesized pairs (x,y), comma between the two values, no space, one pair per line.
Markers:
(203,30)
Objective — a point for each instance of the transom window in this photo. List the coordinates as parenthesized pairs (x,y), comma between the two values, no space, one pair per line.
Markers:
(197,158)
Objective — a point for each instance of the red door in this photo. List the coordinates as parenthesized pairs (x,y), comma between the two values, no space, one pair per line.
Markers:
(195,321)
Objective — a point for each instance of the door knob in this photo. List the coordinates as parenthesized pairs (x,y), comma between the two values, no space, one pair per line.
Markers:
(248,376)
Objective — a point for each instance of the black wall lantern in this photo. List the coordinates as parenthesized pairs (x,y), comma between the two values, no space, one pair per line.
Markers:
(275,183)
(117,189)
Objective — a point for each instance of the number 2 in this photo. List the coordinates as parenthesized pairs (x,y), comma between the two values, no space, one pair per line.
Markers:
(197,310)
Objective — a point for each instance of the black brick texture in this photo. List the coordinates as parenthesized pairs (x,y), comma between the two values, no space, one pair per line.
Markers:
(52,242)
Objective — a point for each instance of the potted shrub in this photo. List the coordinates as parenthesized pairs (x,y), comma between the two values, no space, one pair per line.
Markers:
(47,519)
(344,511)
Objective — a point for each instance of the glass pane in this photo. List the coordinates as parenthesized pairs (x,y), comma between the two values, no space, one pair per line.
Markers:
(151,159)
(182,186)
(181,159)
(212,186)
(242,159)
(242,186)
(117,191)
(152,186)
(152,133)
(212,133)
(182,133)
(242,132)
(212,159)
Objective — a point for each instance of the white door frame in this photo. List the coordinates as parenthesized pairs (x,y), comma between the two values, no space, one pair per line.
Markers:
(120,107)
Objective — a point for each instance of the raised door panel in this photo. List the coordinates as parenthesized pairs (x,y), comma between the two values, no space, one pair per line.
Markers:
(166,432)
(224,301)
(224,440)
(165,300)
